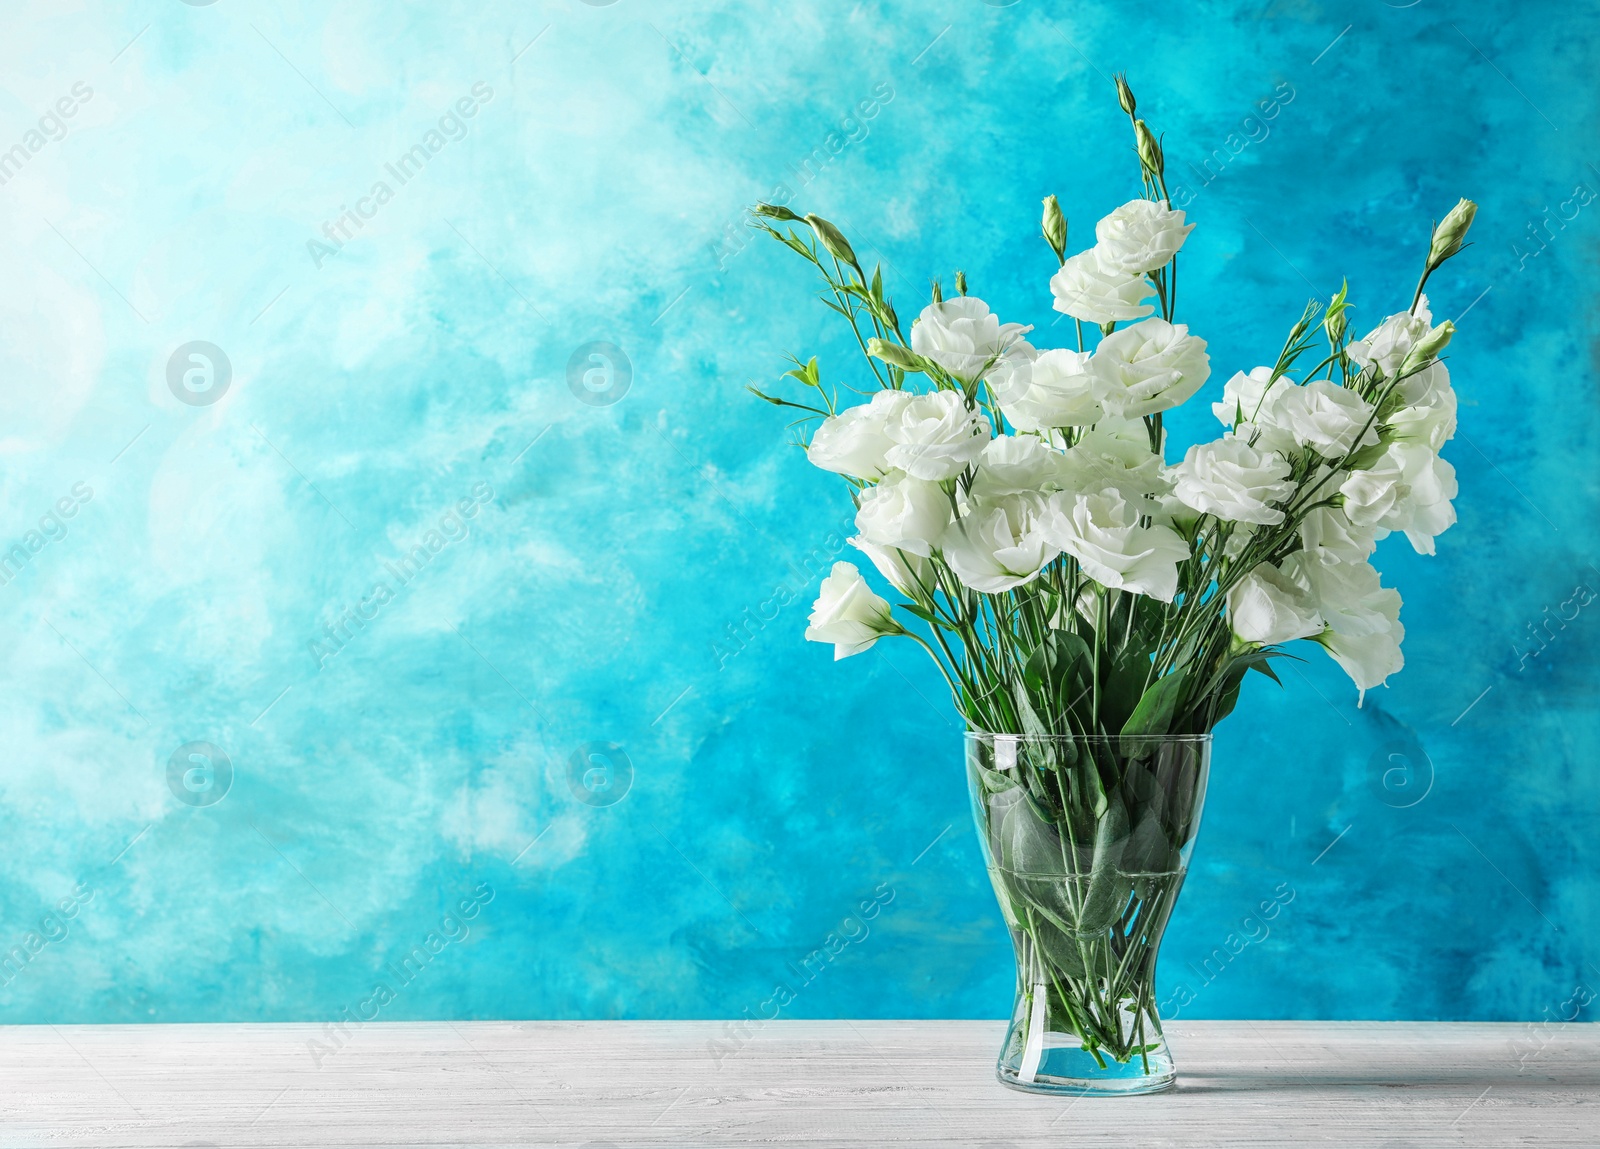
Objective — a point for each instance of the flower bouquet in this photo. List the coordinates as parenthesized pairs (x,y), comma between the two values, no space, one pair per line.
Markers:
(1094,607)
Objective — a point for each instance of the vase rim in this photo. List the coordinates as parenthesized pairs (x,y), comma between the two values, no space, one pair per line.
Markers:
(1103,739)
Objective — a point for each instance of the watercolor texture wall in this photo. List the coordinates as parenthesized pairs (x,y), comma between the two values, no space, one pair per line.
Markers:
(409,593)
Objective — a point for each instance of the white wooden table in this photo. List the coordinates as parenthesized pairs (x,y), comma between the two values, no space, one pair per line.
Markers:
(811,1083)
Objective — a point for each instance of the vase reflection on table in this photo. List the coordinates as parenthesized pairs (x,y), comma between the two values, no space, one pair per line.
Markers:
(1087,841)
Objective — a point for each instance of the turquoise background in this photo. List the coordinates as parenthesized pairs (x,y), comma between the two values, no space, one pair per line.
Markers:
(632,584)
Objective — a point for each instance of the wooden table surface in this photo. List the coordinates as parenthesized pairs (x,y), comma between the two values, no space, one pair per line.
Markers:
(810,1083)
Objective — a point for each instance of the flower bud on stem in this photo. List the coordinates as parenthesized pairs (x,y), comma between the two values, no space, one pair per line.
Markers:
(1149,151)
(833,240)
(1124,93)
(1448,238)
(1054,226)
(1427,349)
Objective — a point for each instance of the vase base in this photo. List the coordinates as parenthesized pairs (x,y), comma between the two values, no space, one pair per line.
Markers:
(1062,1067)
(1089,1087)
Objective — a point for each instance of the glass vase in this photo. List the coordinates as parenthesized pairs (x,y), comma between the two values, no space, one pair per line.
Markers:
(1087,840)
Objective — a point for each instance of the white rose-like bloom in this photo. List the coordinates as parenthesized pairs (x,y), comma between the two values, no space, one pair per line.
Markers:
(1432,484)
(1408,489)
(1139,236)
(855,441)
(1251,395)
(906,513)
(909,574)
(1364,631)
(1054,389)
(964,337)
(1017,465)
(848,614)
(1150,367)
(1388,344)
(1325,417)
(1328,533)
(1085,290)
(1255,396)
(1115,454)
(1233,480)
(936,436)
(995,548)
(1102,531)
(1428,411)
(1269,606)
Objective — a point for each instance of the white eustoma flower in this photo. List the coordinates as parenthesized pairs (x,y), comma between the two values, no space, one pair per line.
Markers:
(1085,290)
(964,337)
(935,436)
(1270,606)
(1248,398)
(906,513)
(1233,480)
(1249,405)
(855,442)
(1328,533)
(1150,367)
(1427,412)
(1364,632)
(1013,465)
(1139,236)
(1054,389)
(848,614)
(909,574)
(1388,344)
(1432,484)
(1408,488)
(996,547)
(1103,532)
(1116,454)
(1326,417)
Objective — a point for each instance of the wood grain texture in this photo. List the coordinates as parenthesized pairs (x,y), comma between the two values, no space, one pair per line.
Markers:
(797,1083)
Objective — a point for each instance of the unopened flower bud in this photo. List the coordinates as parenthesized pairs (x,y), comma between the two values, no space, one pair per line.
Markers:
(1450,233)
(961,283)
(1054,226)
(1149,151)
(774,211)
(1428,347)
(937,292)
(1124,94)
(896,355)
(833,239)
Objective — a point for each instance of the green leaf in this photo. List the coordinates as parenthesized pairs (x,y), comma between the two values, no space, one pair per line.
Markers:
(1108,887)
(1059,948)
(1054,659)
(807,373)
(1153,715)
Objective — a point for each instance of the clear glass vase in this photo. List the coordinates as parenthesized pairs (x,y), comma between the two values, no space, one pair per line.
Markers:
(1087,840)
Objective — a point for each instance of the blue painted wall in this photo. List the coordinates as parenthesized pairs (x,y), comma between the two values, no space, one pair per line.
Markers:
(388,735)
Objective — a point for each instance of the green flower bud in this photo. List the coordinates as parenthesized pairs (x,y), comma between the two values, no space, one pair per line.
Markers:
(961,283)
(1450,233)
(1124,94)
(1334,322)
(1426,349)
(937,292)
(1149,151)
(833,239)
(1055,228)
(896,355)
(774,211)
